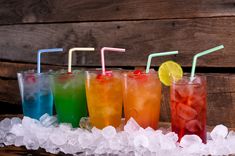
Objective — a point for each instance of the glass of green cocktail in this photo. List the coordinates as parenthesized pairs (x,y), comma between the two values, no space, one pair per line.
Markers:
(69,96)
(68,88)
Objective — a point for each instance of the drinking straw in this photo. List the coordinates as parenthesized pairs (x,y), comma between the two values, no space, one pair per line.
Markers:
(201,54)
(70,55)
(102,55)
(45,51)
(156,55)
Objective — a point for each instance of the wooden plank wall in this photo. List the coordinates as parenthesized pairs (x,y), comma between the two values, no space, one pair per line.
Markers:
(140,26)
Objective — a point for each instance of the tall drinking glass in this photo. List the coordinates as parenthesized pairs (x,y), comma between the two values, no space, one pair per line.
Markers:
(188,106)
(142,97)
(104,98)
(35,93)
(70,96)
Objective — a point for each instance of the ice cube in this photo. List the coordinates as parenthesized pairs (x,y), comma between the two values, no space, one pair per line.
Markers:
(184,91)
(220,131)
(58,137)
(73,137)
(131,126)
(197,149)
(29,123)
(149,129)
(114,145)
(19,141)
(141,140)
(5,124)
(218,148)
(197,102)
(50,147)
(17,129)
(31,142)
(109,132)
(222,150)
(85,139)
(208,136)
(231,141)
(166,142)
(85,123)
(2,136)
(188,140)
(15,120)
(172,136)
(102,148)
(9,139)
(44,117)
(65,127)
(186,112)
(96,132)
(193,126)
(69,149)
(122,139)
(73,141)
(46,120)
(154,142)
(43,134)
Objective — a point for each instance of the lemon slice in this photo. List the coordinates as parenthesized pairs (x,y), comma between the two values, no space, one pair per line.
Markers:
(169,70)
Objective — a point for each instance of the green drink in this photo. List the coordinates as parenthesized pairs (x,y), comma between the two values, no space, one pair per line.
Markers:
(70,96)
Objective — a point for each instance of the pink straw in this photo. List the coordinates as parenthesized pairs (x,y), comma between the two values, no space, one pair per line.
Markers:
(102,55)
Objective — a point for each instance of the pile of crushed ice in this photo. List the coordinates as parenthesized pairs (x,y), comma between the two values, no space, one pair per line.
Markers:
(133,140)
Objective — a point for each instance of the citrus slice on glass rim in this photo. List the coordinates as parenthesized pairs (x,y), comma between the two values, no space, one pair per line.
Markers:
(169,70)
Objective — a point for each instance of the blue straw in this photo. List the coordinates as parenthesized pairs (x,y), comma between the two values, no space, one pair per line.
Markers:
(45,51)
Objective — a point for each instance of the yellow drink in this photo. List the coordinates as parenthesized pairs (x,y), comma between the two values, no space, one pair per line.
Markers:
(104,98)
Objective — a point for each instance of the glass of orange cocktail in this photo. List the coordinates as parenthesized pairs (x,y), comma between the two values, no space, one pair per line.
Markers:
(104,94)
(104,98)
(142,97)
(142,94)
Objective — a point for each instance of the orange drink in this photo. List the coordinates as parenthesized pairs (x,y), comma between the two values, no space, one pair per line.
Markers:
(104,98)
(142,96)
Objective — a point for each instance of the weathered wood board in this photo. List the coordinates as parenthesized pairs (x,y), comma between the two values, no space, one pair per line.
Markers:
(140,38)
(46,11)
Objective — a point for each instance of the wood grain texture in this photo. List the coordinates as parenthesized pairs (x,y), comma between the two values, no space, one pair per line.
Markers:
(140,38)
(20,151)
(9,91)
(37,11)
(9,70)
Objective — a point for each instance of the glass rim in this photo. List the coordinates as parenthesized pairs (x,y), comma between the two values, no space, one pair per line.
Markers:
(99,70)
(34,72)
(144,73)
(187,77)
(65,72)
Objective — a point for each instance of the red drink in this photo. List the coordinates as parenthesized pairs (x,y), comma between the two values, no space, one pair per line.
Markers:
(188,107)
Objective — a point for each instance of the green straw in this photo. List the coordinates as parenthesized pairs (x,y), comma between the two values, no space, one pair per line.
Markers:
(201,54)
(156,55)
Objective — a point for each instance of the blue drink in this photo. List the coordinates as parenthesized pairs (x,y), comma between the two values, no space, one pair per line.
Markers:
(36,94)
